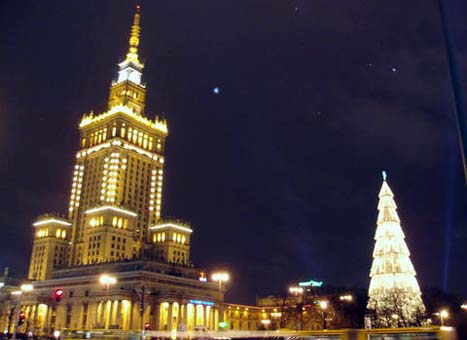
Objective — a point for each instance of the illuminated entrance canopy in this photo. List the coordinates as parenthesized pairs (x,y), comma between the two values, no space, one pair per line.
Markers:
(311,283)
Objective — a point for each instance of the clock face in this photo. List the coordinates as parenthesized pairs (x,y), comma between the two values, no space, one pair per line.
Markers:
(129,74)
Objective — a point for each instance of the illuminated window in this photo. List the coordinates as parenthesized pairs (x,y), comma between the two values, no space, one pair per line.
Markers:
(114,221)
(58,233)
(120,222)
(63,233)
(174,237)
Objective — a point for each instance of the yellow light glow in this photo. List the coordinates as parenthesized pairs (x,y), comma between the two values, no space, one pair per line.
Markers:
(51,220)
(296,290)
(106,279)
(220,277)
(323,304)
(171,225)
(108,207)
(27,287)
(157,124)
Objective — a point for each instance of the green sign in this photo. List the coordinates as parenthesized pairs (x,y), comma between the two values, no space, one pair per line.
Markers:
(311,283)
(223,324)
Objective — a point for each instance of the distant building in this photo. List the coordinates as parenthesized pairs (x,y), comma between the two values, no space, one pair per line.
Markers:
(113,262)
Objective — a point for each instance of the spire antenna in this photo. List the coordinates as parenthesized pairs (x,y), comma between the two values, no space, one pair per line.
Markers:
(384,174)
(132,54)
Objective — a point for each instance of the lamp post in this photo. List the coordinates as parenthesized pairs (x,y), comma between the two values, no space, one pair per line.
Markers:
(298,291)
(25,288)
(323,305)
(107,280)
(443,314)
(346,299)
(220,277)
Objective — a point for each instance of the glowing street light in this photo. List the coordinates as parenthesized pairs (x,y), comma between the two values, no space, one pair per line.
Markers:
(27,287)
(24,288)
(323,304)
(107,280)
(346,298)
(296,290)
(220,277)
(443,314)
(464,306)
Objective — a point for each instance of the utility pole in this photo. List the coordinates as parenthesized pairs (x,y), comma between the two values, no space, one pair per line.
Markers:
(141,310)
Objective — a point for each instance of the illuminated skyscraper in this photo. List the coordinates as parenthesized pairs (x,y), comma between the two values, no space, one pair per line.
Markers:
(120,164)
(394,298)
(114,232)
(116,193)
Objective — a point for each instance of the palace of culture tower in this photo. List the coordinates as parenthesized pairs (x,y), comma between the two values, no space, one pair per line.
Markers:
(117,184)
(114,229)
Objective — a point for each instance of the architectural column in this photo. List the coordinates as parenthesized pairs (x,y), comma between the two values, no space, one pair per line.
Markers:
(98,316)
(48,315)
(114,313)
(34,319)
(185,315)
(118,314)
(169,316)
(156,317)
(195,316)
(130,315)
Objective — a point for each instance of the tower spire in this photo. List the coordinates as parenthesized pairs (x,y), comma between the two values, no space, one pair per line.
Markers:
(128,90)
(132,54)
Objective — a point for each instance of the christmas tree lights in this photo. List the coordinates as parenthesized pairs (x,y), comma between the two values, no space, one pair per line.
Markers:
(394,297)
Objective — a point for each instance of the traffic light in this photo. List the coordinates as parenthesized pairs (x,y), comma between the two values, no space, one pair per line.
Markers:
(21,318)
(58,294)
(147,327)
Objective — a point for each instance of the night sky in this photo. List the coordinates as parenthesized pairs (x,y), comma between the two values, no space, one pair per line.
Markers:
(279,171)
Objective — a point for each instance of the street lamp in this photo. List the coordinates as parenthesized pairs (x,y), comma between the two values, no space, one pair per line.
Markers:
(298,291)
(25,288)
(464,306)
(346,298)
(443,314)
(323,304)
(220,277)
(107,280)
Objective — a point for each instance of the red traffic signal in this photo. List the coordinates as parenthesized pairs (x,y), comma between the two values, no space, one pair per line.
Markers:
(147,327)
(58,294)
(21,318)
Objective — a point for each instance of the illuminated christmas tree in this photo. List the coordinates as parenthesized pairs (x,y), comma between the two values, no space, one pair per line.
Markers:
(394,298)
